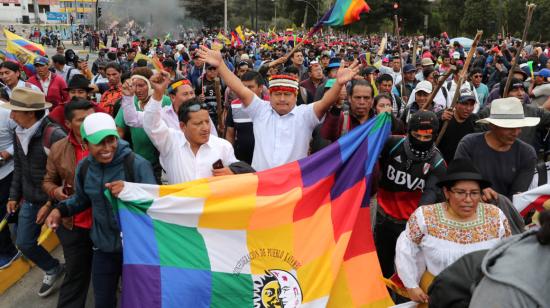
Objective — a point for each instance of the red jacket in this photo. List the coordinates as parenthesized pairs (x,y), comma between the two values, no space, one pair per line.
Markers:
(56,92)
(57,114)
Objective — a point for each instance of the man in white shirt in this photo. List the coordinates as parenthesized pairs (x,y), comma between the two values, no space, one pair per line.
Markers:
(10,74)
(180,93)
(282,130)
(191,152)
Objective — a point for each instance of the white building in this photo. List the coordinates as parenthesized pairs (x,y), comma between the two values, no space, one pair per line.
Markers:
(22,11)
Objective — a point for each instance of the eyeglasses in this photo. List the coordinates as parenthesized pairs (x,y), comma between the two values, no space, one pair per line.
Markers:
(461,194)
(477,76)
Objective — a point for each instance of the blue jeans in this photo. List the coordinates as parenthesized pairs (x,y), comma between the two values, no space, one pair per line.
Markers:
(106,271)
(27,236)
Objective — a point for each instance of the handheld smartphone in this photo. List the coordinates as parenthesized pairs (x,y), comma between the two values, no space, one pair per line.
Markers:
(68,190)
(217,164)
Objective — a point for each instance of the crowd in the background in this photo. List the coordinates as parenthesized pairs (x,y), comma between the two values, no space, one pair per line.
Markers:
(166,112)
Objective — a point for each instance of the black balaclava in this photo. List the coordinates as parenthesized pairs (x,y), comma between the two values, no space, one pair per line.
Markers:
(422,121)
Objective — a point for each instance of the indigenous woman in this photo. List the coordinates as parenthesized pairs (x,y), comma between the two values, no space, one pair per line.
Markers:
(437,235)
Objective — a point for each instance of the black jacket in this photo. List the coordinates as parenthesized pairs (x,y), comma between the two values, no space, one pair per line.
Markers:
(30,169)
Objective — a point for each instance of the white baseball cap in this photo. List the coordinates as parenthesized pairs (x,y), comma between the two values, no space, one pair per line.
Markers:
(97,126)
(424,86)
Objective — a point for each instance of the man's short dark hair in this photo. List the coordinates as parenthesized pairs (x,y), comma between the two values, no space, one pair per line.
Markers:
(141,63)
(253,75)
(243,63)
(295,52)
(476,70)
(12,66)
(111,56)
(59,59)
(502,85)
(114,66)
(129,50)
(384,77)
(76,104)
(143,71)
(169,63)
(292,70)
(183,113)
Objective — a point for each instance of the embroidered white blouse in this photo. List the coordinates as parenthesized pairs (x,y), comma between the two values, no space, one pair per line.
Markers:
(431,241)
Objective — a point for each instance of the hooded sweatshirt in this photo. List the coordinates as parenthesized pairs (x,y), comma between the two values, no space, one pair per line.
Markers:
(105,232)
(516,274)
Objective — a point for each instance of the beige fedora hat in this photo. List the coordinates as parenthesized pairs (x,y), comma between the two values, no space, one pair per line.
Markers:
(27,99)
(508,113)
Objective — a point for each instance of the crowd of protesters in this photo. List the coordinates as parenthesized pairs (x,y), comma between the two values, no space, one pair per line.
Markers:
(169,111)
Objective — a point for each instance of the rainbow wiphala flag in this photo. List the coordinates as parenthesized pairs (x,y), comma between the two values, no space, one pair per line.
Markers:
(296,235)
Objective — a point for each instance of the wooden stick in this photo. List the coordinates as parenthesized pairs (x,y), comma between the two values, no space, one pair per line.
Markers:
(530,10)
(219,107)
(461,78)
(415,47)
(396,21)
(440,83)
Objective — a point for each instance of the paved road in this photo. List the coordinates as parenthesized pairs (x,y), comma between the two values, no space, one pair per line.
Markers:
(24,293)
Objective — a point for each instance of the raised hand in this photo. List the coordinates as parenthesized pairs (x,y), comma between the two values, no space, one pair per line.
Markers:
(210,56)
(160,81)
(128,88)
(346,74)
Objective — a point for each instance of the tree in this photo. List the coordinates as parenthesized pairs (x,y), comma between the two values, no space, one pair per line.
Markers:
(478,15)
(452,12)
(209,12)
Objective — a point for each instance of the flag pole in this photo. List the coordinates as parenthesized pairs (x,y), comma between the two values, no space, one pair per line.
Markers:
(530,9)
(461,78)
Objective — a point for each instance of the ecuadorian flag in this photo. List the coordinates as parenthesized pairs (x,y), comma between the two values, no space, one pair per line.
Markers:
(17,45)
(294,236)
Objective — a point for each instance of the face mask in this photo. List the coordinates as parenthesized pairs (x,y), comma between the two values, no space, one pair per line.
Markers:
(420,149)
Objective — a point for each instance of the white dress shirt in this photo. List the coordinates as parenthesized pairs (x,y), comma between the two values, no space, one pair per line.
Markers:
(22,84)
(280,139)
(176,156)
(7,126)
(134,117)
(45,83)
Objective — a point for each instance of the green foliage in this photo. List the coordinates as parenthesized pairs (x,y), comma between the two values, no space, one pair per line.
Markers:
(456,17)
(478,15)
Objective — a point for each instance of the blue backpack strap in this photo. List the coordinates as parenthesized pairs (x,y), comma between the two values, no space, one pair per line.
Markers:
(397,145)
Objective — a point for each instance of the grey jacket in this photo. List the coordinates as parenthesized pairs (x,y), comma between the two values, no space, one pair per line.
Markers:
(30,169)
(516,274)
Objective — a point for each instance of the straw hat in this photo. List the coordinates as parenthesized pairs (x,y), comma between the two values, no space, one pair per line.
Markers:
(508,113)
(27,99)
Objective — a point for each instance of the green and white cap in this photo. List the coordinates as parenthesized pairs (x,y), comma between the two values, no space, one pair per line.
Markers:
(97,126)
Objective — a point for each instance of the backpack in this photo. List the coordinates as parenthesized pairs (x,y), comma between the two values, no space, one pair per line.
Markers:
(47,133)
(128,169)
(542,173)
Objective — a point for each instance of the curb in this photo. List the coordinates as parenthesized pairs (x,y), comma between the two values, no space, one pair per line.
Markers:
(11,275)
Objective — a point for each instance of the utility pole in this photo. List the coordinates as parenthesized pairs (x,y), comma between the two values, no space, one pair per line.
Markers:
(97,15)
(36,16)
(305,18)
(225,17)
(256,22)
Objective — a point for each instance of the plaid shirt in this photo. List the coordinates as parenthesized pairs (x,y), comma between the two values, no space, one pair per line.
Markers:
(109,99)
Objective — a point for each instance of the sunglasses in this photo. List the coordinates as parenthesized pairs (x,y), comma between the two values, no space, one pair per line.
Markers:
(477,76)
(194,107)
